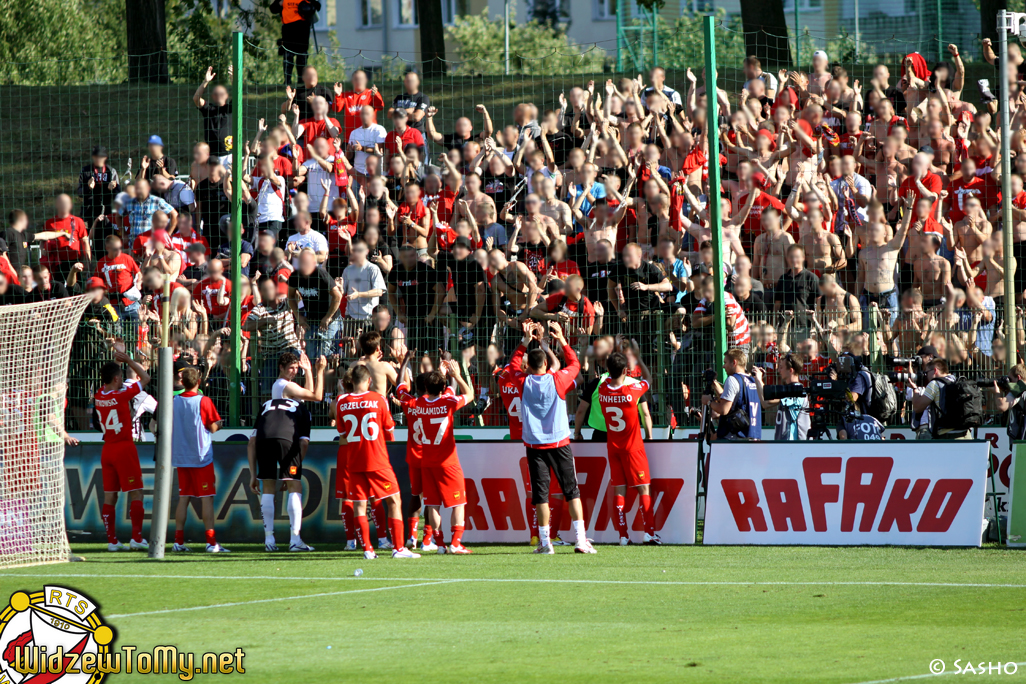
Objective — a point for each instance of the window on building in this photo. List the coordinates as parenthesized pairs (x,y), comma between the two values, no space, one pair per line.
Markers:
(406,13)
(605,9)
(549,11)
(370,13)
(803,5)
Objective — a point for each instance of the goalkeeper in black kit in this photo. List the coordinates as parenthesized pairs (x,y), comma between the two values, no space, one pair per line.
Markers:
(276,450)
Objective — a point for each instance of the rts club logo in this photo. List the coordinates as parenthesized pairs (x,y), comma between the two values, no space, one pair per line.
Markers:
(57,624)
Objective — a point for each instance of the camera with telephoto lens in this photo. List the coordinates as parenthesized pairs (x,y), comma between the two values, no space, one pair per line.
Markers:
(1004,383)
(827,393)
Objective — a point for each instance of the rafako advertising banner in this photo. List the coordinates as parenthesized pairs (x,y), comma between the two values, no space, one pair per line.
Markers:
(497,510)
(844,493)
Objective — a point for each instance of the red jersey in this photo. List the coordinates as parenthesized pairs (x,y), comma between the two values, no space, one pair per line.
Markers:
(67,247)
(753,224)
(317,129)
(115,411)
(981,187)
(931,182)
(432,425)
(351,103)
(207,292)
(582,310)
(118,273)
(394,142)
(510,392)
(282,165)
(336,245)
(446,202)
(408,402)
(416,213)
(364,422)
(620,410)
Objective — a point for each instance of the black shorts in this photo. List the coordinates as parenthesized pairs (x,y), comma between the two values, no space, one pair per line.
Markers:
(561,461)
(599,436)
(1019,252)
(279,459)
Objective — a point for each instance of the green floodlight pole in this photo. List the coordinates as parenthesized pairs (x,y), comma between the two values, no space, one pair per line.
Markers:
(715,214)
(235,315)
(797,38)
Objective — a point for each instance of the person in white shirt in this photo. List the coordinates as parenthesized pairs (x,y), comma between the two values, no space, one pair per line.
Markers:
(270,199)
(366,139)
(363,283)
(305,236)
(315,172)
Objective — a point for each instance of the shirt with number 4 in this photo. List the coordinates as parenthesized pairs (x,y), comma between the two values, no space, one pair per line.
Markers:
(364,422)
(620,409)
(115,409)
(432,428)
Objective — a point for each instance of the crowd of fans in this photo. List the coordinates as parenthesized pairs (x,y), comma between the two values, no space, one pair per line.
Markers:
(858,217)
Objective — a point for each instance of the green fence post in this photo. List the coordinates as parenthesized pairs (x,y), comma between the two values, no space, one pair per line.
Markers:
(715,218)
(619,35)
(235,315)
(655,37)
(797,38)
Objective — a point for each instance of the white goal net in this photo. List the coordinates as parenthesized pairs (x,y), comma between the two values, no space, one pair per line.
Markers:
(35,343)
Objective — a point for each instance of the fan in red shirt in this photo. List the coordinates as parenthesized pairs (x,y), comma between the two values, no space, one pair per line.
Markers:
(968,184)
(352,101)
(320,126)
(920,176)
(117,269)
(67,239)
(433,415)
(570,308)
(214,291)
(119,461)
(365,424)
(402,135)
(753,223)
(623,407)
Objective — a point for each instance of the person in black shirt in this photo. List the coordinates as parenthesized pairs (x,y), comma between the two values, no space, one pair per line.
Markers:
(98,184)
(275,452)
(303,95)
(10,293)
(749,300)
(18,237)
(212,204)
(217,116)
(321,298)
(596,273)
(415,292)
(246,253)
(156,162)
(469,283)
(796,291)
(412,100)
(640,283)
(46,288)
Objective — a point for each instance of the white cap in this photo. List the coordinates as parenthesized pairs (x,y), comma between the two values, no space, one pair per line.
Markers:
(121,199)
(820,53)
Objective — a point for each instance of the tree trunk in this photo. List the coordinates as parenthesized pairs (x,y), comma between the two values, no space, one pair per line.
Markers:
(988,18)
(765,29)
(432,37)
(147,41)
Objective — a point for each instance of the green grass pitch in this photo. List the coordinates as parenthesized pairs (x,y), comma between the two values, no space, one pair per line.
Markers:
(675,614)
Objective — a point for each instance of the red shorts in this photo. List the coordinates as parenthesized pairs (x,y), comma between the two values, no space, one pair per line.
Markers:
(374,484)
(444,486)
(342,475)
(629,469)
(196,481)
(119,462)
(416,479)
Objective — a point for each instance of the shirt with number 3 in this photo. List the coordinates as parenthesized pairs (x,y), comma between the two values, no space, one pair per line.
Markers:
(364,422)
(620,409)
(432,426)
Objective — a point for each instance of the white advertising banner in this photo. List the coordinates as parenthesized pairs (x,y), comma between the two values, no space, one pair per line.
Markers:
(846,493)
(499,507)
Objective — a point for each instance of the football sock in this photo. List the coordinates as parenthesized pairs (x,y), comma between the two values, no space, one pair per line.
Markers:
(457,535)
(179,536)
(380,521)
(646,513)
(295,514)
(413,523)
(543,535)
(621,519)
(349,520)
(580,531)
(108,523)
(440,537)
(267,513)
(555,514)
(363,533)
(397,532)
(428,533)
(532,517)
(211,539)
(135,512)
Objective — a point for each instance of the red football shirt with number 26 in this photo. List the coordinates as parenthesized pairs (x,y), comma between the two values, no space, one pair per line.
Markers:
(363,420)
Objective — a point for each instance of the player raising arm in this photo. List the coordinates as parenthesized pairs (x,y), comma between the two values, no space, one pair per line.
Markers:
(365,424)
(119,461)
(441,474)
(623,403)
(285,387)
(276,450)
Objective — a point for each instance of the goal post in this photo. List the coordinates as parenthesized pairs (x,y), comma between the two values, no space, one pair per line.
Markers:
(35,346)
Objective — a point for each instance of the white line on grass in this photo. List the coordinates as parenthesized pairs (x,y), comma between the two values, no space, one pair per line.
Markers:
(921,676)
(280,598)
(977,585)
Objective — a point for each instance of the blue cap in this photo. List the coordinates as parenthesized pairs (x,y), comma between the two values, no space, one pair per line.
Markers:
(155,140)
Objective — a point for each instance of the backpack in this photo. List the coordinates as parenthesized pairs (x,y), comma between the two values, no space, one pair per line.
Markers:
(960,406)
(883,403)
(1017,421)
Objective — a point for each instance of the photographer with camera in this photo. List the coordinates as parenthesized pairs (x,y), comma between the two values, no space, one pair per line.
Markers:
(916,381)
(793,420)
(737,401)
(1011,398)
(955,404)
